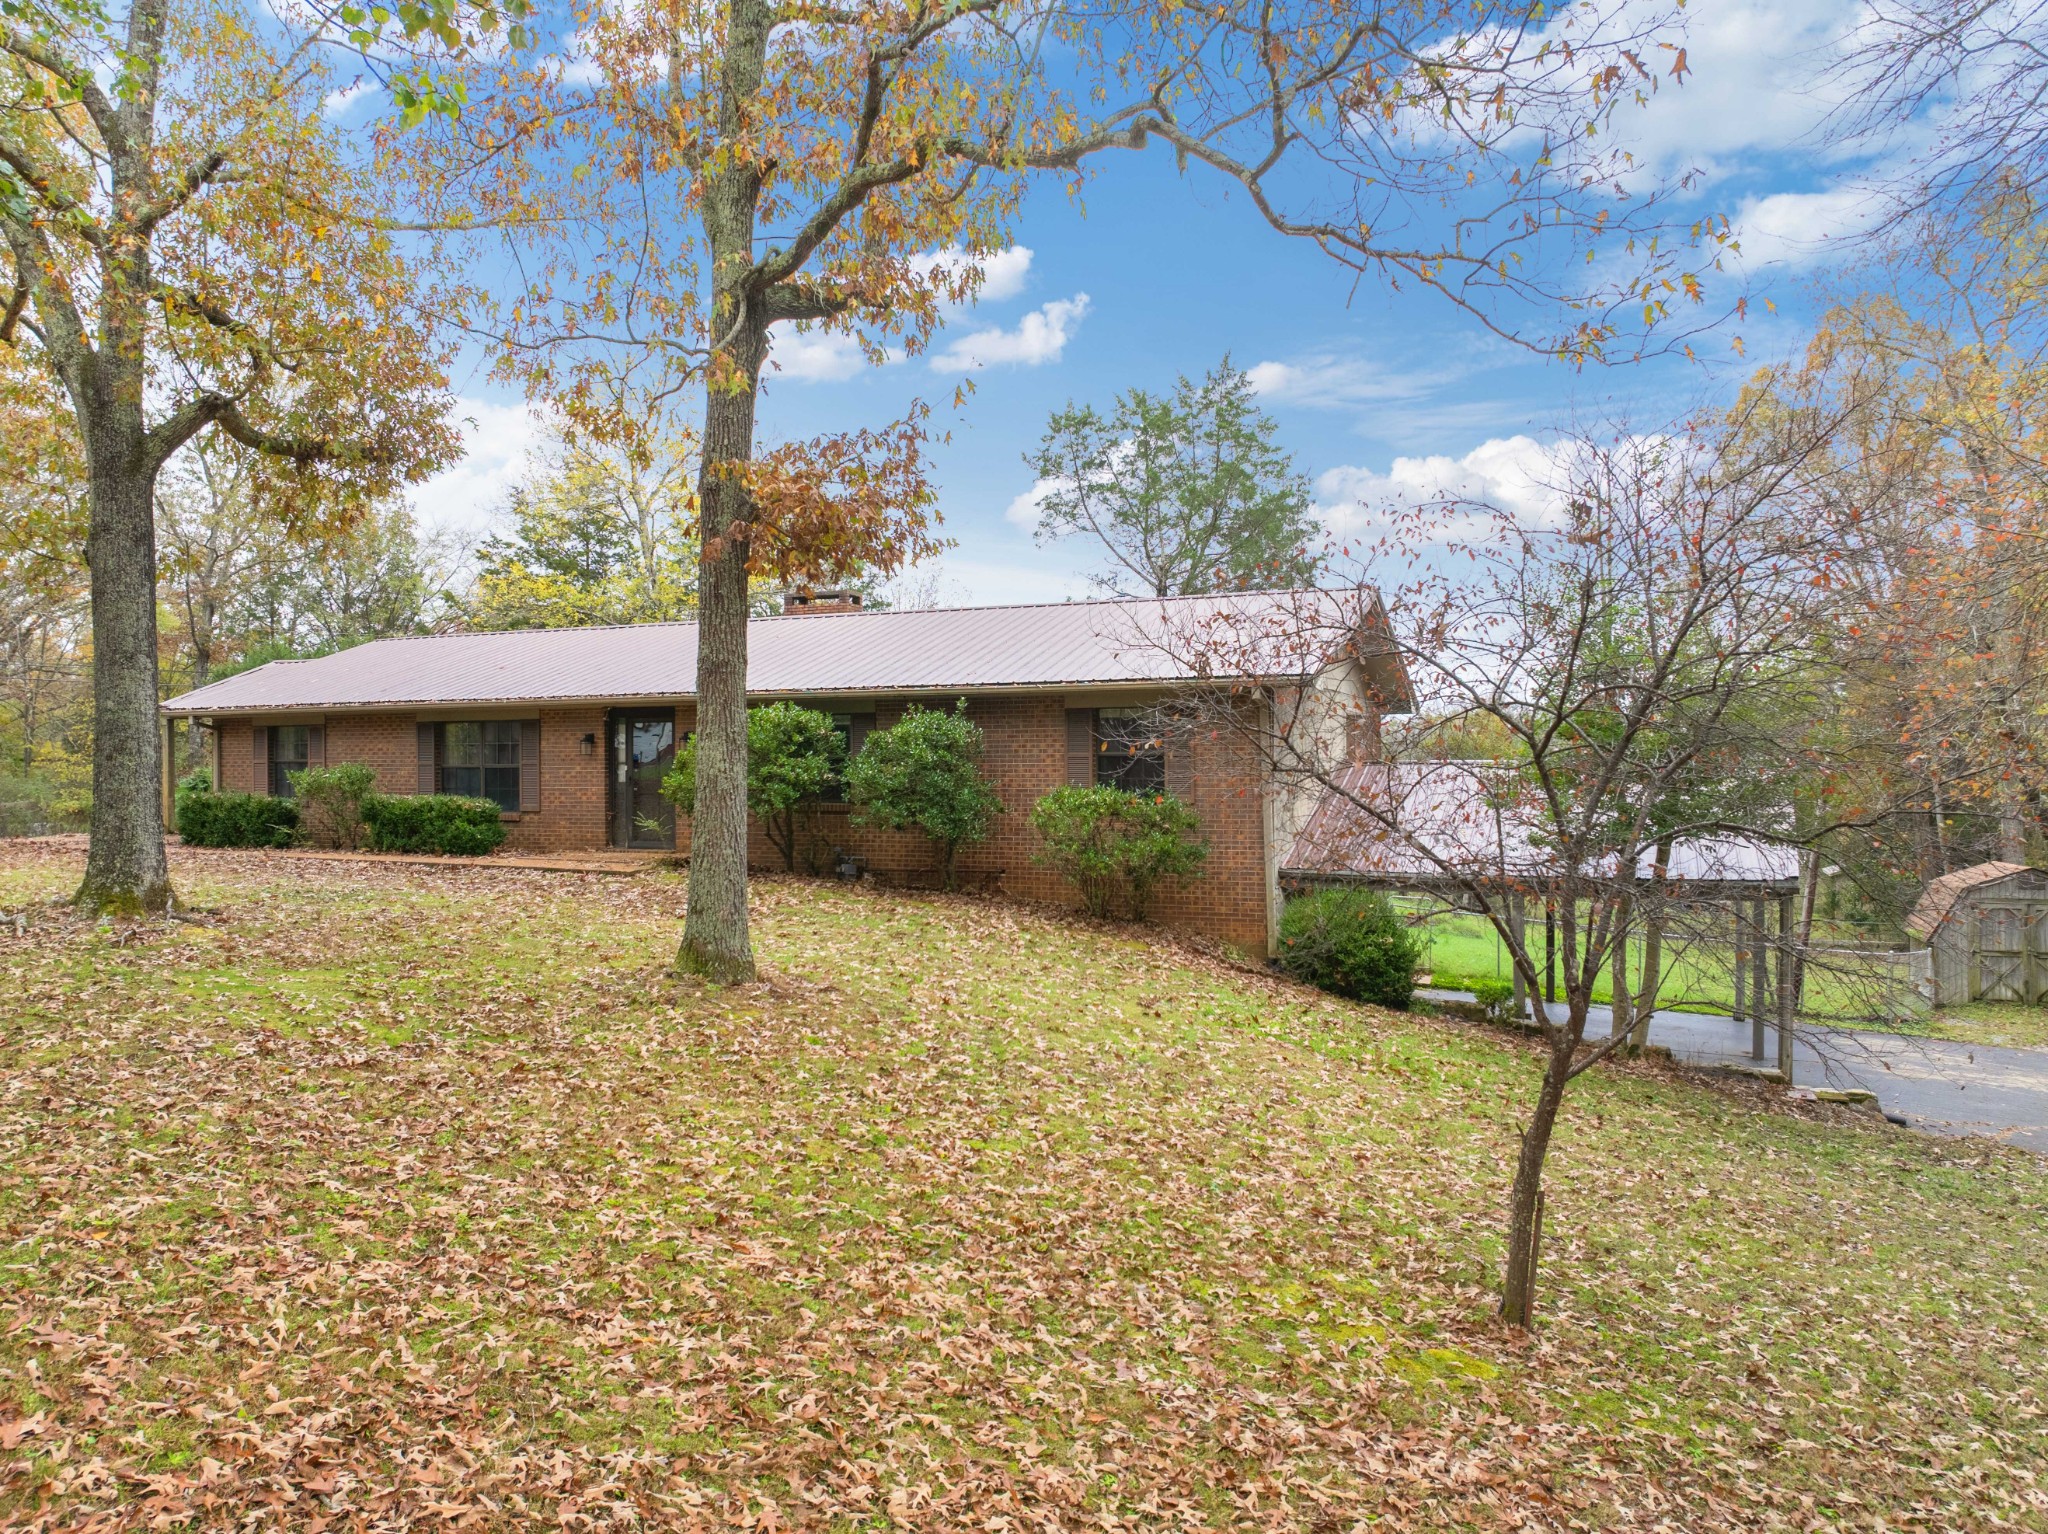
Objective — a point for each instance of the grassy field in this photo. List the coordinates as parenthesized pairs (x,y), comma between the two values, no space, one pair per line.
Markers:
(387,1198)
(1699,978)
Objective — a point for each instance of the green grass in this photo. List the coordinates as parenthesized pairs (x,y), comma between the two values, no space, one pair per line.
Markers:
(1698,977)
(415,1193)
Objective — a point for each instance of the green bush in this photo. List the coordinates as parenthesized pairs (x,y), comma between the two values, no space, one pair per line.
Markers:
(207,819)
(442,823)
(33,806)
(330,801)
(1494,994)
(793,757)
(1114,846)
(198,781)
(923,773)
(1351,942)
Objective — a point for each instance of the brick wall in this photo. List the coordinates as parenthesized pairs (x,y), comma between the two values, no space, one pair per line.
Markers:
(1026,757)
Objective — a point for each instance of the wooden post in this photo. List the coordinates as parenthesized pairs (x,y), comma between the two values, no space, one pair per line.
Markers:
(1785,969)
(1809,878)
(1759,976)
(170,772)
(1517,927)
(1740,956)
(1550,952)
(1618,1006)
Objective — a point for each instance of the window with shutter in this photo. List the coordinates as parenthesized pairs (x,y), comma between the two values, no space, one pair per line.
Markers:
(853,730)
(1130,750)
(480,759)
(288,748)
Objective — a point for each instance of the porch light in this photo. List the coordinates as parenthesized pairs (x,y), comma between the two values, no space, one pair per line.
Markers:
(588,744)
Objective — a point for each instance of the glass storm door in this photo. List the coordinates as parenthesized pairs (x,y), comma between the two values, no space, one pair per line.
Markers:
(643,744)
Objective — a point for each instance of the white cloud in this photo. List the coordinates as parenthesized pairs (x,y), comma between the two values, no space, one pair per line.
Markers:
(814,356)
(580,66)
(1039,338)
(1003,272)
(339,101)
(467,496)
(1023,511)
(820,356)
(1799,228)
(1756,85)
(1327,379)
(1515,474)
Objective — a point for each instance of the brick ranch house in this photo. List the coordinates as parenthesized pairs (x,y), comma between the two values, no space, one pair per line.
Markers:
(571,730)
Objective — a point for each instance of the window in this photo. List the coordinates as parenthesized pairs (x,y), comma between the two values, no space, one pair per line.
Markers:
(1130,750)
(853,731)
(480,760)
(288,755)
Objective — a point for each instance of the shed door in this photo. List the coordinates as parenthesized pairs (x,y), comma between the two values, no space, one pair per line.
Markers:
(2003,959)
(2037,952)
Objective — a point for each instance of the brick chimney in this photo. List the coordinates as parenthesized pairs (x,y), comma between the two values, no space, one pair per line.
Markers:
(820,599)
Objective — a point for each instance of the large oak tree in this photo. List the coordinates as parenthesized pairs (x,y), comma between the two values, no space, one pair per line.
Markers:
(188,246)
(688,175)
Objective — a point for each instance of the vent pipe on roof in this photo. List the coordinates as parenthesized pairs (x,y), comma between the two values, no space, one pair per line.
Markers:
(820,599)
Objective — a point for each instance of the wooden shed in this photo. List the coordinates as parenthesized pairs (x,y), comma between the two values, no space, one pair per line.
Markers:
(1987,928)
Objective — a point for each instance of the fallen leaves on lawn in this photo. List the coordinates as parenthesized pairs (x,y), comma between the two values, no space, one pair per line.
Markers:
(410,1198)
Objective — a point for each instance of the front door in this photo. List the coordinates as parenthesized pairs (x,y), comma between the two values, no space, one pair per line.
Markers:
(643,744)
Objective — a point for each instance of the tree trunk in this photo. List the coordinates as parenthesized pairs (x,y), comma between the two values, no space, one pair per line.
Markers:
(1620,1009)
(1525,1229)
(125,869)
(716,944)
(1653,948)
(715,940)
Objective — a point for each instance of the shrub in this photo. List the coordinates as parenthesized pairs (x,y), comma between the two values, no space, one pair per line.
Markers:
(1495,995)
(34,806)
(793,757)
(923,773)
(198,781)
(443,823)
(330,801)
(1114,846)
(207,819)
(1351,942)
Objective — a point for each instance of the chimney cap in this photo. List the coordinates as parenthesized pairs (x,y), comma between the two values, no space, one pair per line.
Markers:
(821,599)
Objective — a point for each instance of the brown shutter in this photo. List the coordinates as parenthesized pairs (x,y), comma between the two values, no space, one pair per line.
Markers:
(529,765)
(259,779)
(316,746)
(1081,747)
(427,782)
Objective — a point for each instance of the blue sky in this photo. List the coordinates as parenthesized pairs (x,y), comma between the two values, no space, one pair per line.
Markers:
(1377,394)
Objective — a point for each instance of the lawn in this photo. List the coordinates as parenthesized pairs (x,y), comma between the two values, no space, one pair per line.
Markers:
(1698,977)
(385,1197)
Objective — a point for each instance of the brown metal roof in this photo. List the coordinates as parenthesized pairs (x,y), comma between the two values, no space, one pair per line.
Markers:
(1466,815)
(1940,897)
(942,650)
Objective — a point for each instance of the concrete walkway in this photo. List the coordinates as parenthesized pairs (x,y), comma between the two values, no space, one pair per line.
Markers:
(1932,1084)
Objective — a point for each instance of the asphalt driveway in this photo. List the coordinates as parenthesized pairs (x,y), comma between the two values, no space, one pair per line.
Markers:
(1931,1084)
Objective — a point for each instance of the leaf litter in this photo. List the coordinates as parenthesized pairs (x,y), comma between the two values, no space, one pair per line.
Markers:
(398,1198)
